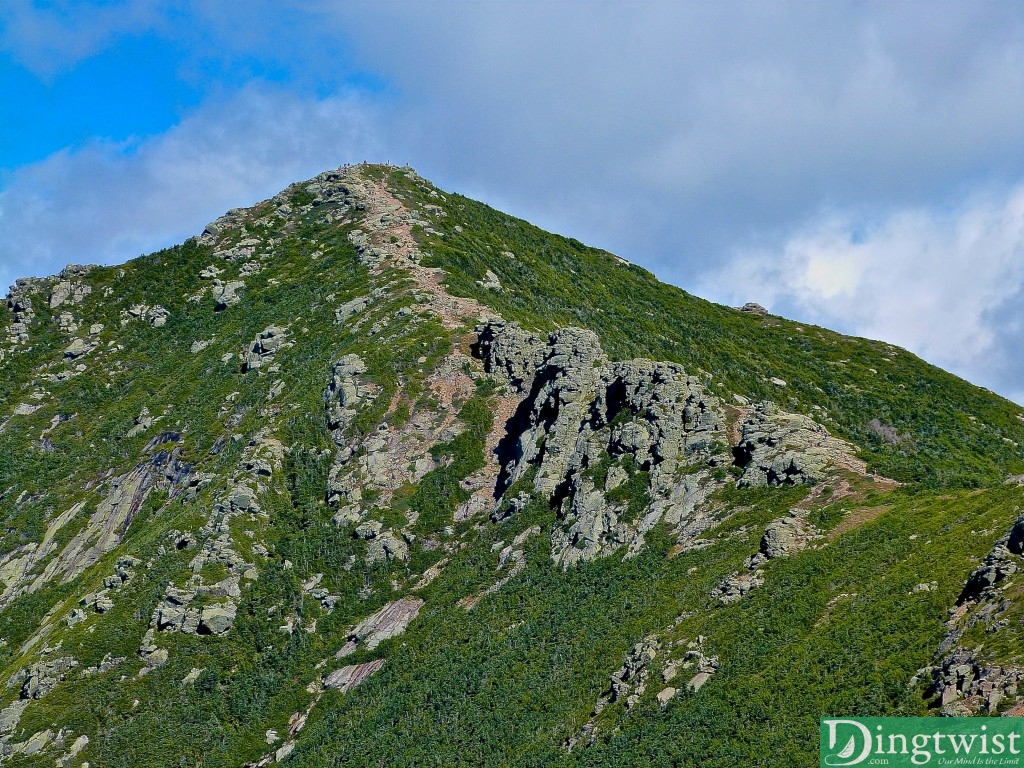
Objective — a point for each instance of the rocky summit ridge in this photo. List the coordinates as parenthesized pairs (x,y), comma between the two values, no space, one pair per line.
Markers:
(372,473)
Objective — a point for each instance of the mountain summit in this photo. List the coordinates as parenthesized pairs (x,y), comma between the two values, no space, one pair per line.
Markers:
(373,474)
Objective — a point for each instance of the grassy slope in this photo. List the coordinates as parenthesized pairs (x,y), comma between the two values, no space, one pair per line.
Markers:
(955,431)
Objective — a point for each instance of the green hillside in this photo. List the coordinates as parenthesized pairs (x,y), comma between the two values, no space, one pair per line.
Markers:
(373,474)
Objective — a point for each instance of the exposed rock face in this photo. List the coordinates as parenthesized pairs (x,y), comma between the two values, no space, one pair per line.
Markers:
(696,662)
(629,681)
(11,714)
(351,308)
(42,677)
(490,282)
(114,514)
(779,448)
(226,293)
(1005,559)
(390,621)
(580,409)
(103,531)
(261,351)
(68,292)
(78,348)
(736,586)
(347,678)
(369,469)
(156,316)
(343,394)
(19,302)
(753,308)
(966,684)
(385,547)
(217,619)
(784,536)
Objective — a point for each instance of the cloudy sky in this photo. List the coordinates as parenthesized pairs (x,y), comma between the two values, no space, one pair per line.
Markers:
(854,164)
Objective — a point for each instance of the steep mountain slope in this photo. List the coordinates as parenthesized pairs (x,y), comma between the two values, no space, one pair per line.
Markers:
(370,473)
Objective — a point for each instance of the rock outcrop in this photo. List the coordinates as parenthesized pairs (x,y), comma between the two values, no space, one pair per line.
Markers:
(784,536)
(629,681)
(737,585)
(68,292)
(779,448)
(42,677)
(586,426)
(261,351)
(390,621)
(347,678)
(962,681)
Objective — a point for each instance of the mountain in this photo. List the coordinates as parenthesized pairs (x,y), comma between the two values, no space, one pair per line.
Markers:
(373,474)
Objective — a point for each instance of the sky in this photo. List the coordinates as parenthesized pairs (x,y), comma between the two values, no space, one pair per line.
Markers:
(858,165)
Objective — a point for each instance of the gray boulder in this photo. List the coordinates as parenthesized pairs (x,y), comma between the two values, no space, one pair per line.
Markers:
(217,619)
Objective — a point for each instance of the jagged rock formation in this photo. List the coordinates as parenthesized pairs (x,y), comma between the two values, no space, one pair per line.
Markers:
(39,679)
(778,448)
(629,681)
(260,353)
(735,586)
(962,682)
(19,303)
(580,409)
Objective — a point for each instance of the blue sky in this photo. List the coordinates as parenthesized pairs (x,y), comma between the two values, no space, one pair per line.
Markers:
(854,164)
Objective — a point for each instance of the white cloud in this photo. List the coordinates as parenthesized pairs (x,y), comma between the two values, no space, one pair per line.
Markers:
(938,282)
(108,202)
(58,35)
(702,122)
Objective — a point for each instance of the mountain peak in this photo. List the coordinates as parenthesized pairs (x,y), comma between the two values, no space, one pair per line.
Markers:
(373,458)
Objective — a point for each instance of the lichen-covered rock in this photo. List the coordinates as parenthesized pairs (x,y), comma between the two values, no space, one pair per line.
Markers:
(42,677)
(68,292)
(387,547)
(784,536)
(261,351)
(11,714)
(629,681)
(216,619)
(78,348)
(753,308)
(158,316)
(226,293)
(343,393)
(580,410)
(490,282)
(351,308)
(19,302)
(737,585)
(779,448)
